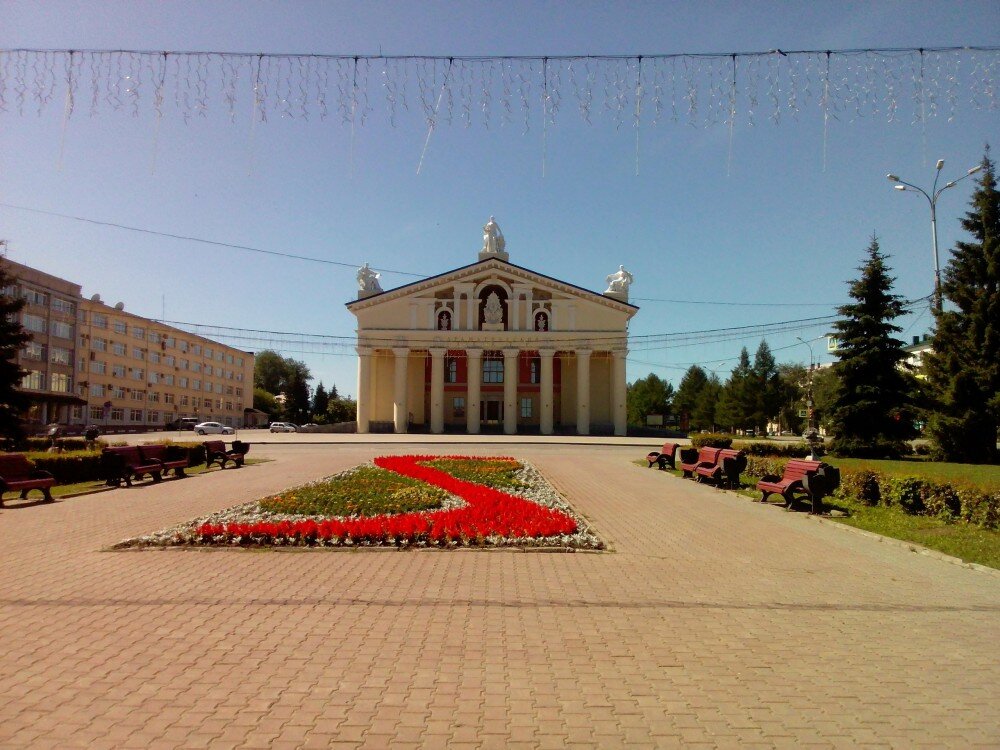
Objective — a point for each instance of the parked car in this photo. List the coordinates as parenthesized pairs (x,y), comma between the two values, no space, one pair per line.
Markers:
(213,428)
(283,427)
(184,423)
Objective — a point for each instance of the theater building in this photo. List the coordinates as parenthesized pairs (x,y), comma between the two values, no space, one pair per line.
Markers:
(492,347)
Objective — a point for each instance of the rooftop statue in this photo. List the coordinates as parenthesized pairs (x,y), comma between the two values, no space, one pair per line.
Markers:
(493,241)
(619,282)
(368,280)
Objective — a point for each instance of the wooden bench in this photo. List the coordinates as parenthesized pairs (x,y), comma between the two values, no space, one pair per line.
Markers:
(726,470)
(690,461)
(666,455)
(17,473)
(813,479)
(215,452)
(122,463)
(153,453)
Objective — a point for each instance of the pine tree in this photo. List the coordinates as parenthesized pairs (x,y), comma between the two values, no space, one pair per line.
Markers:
(738,400)
(320,403)
(872,411)
(768,395)
(12,339)
(964,367)
(688,392)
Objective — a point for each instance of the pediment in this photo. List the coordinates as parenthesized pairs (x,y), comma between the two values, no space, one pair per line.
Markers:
(486,272)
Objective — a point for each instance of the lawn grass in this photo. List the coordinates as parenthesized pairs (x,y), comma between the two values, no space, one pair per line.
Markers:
(986,476)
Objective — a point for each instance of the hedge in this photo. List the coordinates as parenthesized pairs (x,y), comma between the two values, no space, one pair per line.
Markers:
(71,467)
(911,494)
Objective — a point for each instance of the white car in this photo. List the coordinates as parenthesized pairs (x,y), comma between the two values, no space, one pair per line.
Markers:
(283,427)
(213,428)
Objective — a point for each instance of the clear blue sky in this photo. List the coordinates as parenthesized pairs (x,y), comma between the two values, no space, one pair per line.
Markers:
(769,226)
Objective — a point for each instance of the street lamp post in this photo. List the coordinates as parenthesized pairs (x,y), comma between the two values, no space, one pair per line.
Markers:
(932,199)
(811,434)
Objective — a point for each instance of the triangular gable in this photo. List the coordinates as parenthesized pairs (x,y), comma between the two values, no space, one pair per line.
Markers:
(463,273)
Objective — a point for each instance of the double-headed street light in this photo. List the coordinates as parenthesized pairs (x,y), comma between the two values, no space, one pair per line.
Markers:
(932,198)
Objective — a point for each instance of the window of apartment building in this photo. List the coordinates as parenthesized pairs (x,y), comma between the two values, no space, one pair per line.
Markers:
(196,349)
(138,353)
(120,327)
(171,342)
(208,352)
(182,382)
(117,391)
(229,359)
(169,360)
(135,415)
(63,306)
(33,350)
(99,320)
(118,348)
(196,385)
(240,361)
(154,397)
(218,387)
(184,400)
(229,406)
(196,367)
(100,345)
(218,403)
(239,376)
(138,332)
(36,297)
(33,379)
(59,356)
(82,364)
(154,377)
(60,382)
(208,403)
(458,406)
(154,357)
(183,364)
(229,390)
(118,414)
(34,323)
(218,356)
(96,412)
(96,389)
(61,329)
(76,412)
(138,374)
(118,371)
(239,392)
(98,367)
(183,346)
(208,370)
(154,416)
(168,398)
(154,337)
(525,407)
(138,395)
(167,379)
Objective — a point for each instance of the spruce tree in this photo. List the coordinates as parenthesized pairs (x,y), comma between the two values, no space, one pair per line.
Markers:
(320,403)
(705,415)
(767,384)
(688,392)
(12,339)
(738,400)
(964,367)
(871,413)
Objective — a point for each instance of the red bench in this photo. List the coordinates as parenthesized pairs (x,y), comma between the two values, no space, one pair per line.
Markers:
(725,472)
(153,453)
(122,463)
(814,479)
(690,461)
(215,452)
(665,456)
(17,473)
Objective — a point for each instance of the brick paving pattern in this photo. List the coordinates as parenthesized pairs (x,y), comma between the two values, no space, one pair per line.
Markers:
(713,622)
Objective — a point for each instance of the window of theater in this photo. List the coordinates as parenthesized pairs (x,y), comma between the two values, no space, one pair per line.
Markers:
(451,370)
(458,407)
(493,371)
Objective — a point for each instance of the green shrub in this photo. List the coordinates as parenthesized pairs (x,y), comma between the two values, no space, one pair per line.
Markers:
(861,485)
(712,440)
(979,507)
(69,468)
(765,448)
(761,466)
(878,448)
(909,493)
(194,452)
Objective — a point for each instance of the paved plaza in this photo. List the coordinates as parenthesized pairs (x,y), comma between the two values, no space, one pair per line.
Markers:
(711,621)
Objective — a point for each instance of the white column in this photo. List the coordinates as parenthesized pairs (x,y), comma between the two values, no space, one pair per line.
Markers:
(437,390)
(546,406)
(399,412)
(510,376)
(619,390)
(364,387)
(473,376)
(583,391)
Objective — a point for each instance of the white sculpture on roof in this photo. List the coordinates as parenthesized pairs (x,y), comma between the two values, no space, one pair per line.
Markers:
(368,282)
(494,243)
(618,284)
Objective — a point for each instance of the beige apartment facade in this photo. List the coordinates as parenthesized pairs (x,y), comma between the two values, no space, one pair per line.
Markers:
(93,363)
(492,346)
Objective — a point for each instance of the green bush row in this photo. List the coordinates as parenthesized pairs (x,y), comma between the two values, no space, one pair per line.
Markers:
(914,495)
(72,467)
(751,447)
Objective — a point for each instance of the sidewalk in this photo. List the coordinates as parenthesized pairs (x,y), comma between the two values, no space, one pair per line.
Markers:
(713,621)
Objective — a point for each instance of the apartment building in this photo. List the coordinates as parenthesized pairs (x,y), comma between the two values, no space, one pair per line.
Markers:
(50,316)
(106,366)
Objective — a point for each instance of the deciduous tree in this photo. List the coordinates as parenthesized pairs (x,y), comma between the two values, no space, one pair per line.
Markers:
(13,337)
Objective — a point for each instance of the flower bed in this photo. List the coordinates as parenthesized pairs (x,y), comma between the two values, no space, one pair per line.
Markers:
(473,515)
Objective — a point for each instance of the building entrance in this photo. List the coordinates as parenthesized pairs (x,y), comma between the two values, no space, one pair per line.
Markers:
(491,412)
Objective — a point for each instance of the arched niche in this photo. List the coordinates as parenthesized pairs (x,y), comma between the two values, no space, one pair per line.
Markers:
(502,295)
